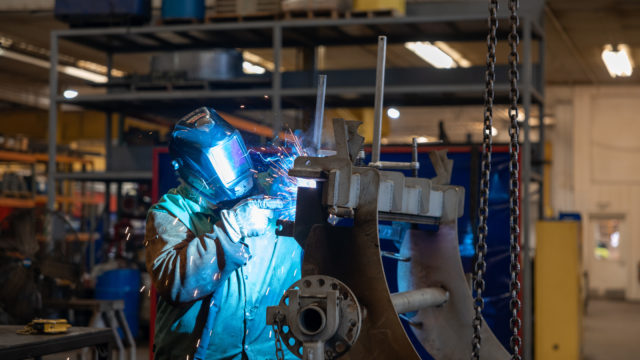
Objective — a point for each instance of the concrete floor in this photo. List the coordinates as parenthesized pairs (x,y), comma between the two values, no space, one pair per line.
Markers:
(611,330)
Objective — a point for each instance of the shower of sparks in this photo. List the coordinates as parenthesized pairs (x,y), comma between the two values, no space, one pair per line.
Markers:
(278,160)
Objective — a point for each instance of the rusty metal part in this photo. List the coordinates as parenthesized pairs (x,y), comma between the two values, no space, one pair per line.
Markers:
(352,254)
(445,331)
(321,315)
(414,300)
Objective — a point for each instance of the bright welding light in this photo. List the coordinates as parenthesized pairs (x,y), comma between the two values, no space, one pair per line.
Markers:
(619,63)
(393,113)
(249,68)
(422,140)
(431,54)
(306,183)
(70,93)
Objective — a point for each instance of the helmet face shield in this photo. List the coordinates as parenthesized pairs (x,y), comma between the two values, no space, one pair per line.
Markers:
(210,156)
(230,160)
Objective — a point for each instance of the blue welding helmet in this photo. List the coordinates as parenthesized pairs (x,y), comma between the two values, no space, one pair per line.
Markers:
(210,156)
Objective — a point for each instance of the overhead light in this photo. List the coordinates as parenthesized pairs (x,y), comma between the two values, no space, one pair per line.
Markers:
(70,94)
(65,69)
(438,54)
(259,60)
(249,68)
(457,57)
(393,113)
(619,63)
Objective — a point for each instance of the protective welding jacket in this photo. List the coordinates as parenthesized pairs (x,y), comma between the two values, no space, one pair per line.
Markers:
(213,295)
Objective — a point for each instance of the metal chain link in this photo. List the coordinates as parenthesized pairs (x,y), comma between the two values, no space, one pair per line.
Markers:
(514,205)
(480,266)
(276,331)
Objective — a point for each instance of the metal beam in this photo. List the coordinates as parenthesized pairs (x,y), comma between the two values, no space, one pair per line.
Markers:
(53,128)
(527,286)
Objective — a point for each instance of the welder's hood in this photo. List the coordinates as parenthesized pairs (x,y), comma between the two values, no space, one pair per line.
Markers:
(210,156)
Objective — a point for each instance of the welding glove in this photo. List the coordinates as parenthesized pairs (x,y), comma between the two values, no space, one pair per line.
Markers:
(250,217)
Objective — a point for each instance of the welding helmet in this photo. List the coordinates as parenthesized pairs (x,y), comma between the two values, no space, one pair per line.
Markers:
(210,156)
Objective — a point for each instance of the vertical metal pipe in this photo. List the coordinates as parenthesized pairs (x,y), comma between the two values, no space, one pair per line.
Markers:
(379,99)
(527,290)
(276,98)
(319,120)
(107,155)
(414,155)
(53,132)
(540,87)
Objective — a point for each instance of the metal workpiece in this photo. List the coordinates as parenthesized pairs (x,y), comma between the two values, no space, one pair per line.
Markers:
(318,317)
(445,331)
(397,194)
(414,300)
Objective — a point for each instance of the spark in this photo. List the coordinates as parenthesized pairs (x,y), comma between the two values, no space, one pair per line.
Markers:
(195,293)
(128,236)
(198,343)
(212,302)
(213,259)
(126,230)
(295,272)
(175,221)
(270,334)
(267,293)
(142,288)
(149,293)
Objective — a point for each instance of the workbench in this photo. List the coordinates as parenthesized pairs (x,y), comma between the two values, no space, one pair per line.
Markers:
(17,346)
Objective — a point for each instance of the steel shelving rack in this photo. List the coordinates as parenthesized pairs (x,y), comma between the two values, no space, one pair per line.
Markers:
(428,21)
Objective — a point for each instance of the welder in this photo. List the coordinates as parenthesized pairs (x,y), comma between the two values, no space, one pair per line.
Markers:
(212,251)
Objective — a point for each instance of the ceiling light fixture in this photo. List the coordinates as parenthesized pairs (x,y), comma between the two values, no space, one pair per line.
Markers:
(65,69)
(619,63)
(393,113)
(70,93)
(439,54)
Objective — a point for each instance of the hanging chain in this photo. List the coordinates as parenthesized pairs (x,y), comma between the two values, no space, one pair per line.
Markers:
(480,266)
(276,331)
(514,131)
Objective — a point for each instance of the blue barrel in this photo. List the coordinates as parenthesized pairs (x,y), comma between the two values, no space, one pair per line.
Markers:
(183,9)
(122,284)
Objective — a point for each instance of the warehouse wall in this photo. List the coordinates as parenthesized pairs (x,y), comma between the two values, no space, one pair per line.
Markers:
(596,171)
